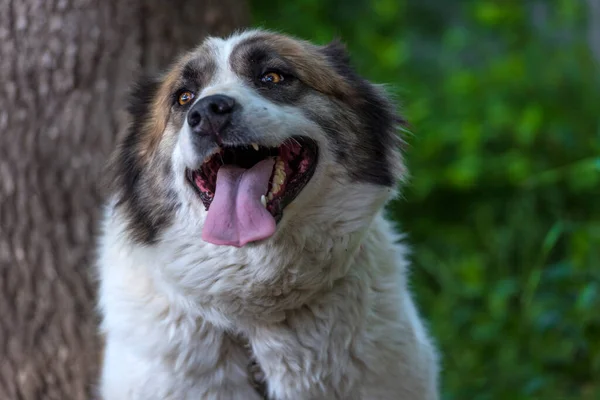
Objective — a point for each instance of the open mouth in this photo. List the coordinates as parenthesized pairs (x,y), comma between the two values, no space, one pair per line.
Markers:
(242,186)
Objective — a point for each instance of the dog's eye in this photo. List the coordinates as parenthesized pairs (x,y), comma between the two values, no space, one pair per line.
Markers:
(185,97)
(272,77)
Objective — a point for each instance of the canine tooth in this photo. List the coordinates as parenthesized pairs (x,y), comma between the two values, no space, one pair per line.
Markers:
(255,146)
(263,200)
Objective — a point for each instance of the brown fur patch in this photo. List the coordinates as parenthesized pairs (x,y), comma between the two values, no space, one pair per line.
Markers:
(311,65)
(201,62)
(160,111)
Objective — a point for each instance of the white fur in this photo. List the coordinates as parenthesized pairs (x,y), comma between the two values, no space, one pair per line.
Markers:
(323,306)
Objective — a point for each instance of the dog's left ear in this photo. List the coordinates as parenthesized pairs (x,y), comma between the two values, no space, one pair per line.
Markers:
(338,57)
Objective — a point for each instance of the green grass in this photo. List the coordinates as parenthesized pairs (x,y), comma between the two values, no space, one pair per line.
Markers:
(503,206)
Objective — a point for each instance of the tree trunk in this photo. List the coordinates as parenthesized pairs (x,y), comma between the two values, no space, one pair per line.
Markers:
(64,68)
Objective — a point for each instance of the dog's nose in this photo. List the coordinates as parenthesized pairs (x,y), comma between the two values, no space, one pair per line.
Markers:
(211,114)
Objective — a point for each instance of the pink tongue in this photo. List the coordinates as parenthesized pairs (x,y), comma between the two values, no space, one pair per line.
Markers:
(236,216)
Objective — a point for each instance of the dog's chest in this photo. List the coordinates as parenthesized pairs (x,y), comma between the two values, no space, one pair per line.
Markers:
(256,375)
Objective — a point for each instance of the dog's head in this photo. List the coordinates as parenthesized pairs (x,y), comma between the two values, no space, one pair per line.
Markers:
(248,137)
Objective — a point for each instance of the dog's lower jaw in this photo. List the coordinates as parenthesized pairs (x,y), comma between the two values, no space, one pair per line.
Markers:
(362,339)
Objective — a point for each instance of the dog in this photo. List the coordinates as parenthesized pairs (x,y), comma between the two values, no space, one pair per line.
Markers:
(244,252)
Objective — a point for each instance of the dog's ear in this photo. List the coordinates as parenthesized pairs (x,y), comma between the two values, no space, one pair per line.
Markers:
(124,164)
(338,57)
(141,96)
(122,169)
(150,101)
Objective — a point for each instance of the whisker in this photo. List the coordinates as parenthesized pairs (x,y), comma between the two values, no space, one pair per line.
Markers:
(296,140)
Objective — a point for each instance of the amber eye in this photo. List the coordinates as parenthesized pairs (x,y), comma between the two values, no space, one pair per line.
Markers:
(185,97)
(271,77)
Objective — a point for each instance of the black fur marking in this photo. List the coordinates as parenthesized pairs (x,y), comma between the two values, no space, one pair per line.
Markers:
(190,73)
(141,96)
(253,58)
(147,215)
(197,73)
(379,122)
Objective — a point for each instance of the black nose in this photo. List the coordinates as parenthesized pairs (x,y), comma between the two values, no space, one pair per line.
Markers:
(211,114)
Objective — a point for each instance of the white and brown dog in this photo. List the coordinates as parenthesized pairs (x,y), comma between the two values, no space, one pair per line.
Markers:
(244,254)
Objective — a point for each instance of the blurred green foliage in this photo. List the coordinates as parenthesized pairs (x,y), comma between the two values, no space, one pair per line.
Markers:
(503,206)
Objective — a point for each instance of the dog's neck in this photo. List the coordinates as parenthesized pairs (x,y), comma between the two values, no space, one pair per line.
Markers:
(230,285)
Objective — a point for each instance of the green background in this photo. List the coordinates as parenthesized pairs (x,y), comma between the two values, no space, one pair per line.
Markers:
(503,206)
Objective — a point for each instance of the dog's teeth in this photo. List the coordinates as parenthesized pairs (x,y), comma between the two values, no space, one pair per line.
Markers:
(270,196)
(276,187)
(279,175)
(255,146)
(263,200)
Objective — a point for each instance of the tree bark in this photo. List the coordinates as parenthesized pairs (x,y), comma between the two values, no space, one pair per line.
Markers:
(65,66)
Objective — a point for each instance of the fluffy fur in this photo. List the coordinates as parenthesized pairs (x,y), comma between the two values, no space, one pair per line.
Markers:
(320,310)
